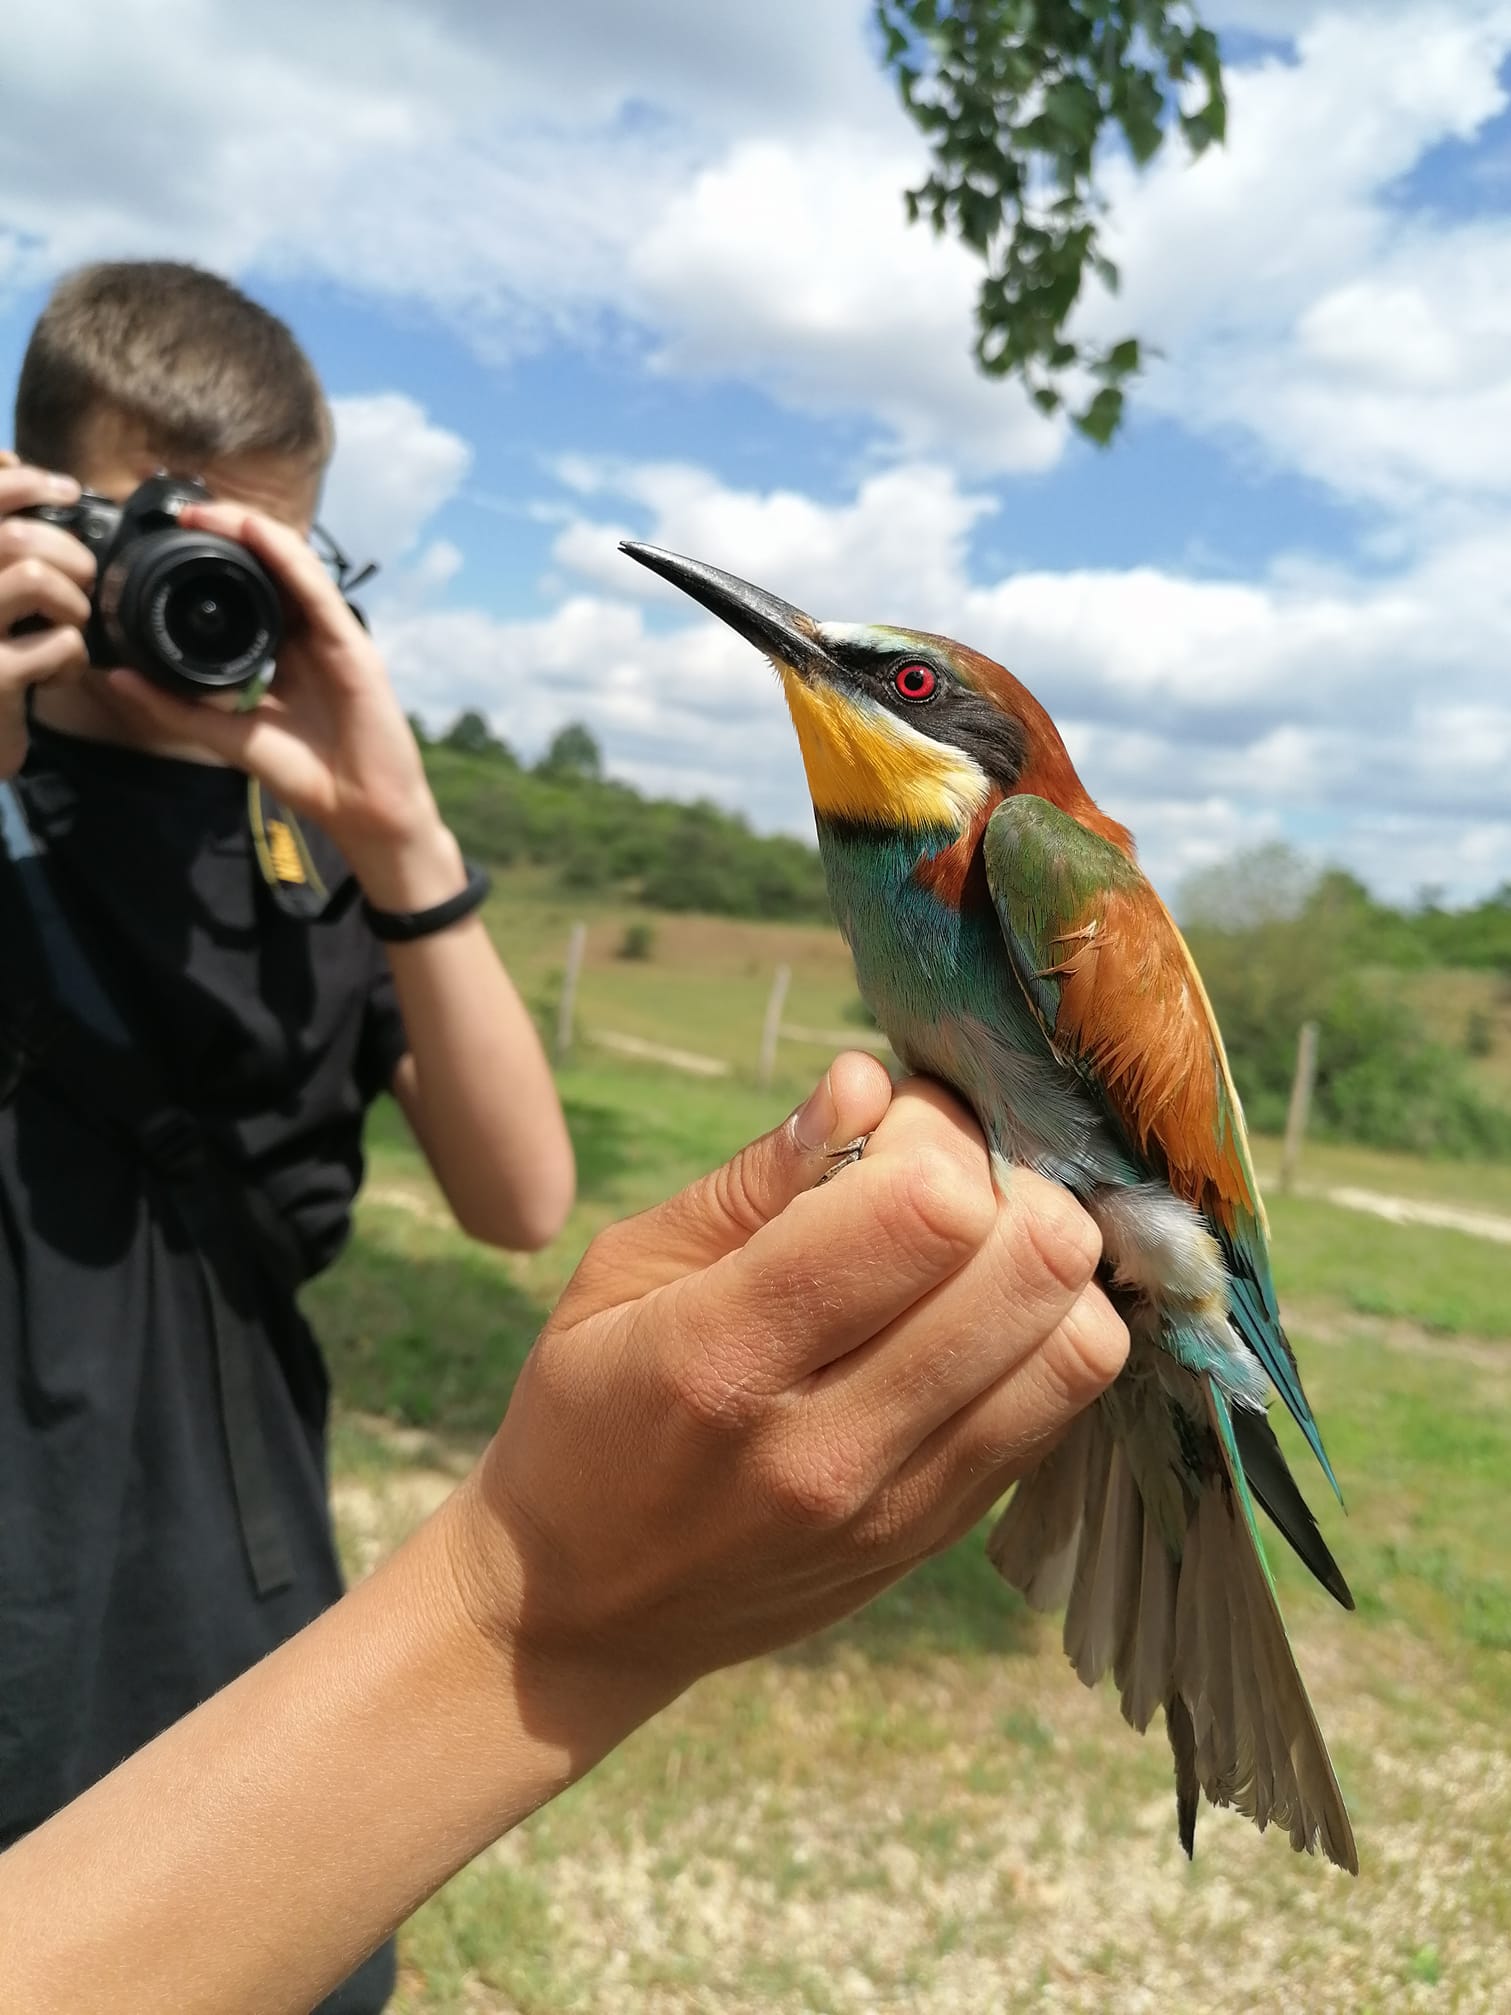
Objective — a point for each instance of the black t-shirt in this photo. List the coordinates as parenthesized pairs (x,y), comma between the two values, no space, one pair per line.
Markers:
(125,1595)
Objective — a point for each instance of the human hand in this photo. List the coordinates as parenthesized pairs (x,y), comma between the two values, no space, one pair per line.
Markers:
(761,1403)
(44,571)
(329,738)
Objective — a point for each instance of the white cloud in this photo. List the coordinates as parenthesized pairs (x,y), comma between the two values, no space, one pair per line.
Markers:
(905,524)
(1297,300)
(392,471)
(1283,19)
(493,166)
(668,164)
(789,262)
(285,141)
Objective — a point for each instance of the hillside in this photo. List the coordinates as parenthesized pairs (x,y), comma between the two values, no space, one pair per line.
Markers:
(599,836)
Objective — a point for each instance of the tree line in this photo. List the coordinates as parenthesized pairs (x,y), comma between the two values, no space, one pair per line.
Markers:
(601,836)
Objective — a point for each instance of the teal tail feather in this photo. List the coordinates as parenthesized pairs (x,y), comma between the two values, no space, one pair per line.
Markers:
(1257,1320)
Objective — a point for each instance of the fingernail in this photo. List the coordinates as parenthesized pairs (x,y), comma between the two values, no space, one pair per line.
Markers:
(64,488)
(815,1124)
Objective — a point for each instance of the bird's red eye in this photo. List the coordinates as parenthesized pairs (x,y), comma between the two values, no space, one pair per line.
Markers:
(915,682)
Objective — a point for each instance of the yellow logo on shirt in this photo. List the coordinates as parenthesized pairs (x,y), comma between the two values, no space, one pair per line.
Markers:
(284,853)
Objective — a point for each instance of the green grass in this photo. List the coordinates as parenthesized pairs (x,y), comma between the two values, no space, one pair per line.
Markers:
(1451,1000)
(1446,1280)
(430,1329)
(1421,1444)
(1474,1185)
(704,986)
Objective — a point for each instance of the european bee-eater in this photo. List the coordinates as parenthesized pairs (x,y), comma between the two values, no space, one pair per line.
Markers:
(1008,943)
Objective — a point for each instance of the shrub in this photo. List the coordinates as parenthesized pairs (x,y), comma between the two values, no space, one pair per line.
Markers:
(638,942)
(1279,943)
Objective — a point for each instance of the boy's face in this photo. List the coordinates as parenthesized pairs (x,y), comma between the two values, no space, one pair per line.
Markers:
(115,454)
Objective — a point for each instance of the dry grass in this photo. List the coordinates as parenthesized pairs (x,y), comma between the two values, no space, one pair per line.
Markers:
(978,1833)
(926,1812)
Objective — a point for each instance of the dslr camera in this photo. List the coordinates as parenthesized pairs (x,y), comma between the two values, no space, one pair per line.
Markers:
(192,612)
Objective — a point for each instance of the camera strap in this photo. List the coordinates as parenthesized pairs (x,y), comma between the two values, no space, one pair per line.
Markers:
(283,856)
(57,1017)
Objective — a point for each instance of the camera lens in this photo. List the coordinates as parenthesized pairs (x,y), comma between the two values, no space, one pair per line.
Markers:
(210,617)
(194,611)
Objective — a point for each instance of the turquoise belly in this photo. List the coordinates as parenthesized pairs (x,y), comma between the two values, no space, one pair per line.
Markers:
(939,983)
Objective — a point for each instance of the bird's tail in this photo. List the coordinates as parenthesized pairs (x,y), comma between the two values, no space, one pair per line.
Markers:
(1171,1592)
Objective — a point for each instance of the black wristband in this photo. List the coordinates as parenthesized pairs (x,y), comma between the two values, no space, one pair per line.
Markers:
(398,927)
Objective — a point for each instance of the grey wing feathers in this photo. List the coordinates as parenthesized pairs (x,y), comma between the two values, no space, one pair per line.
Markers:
(1192,1628)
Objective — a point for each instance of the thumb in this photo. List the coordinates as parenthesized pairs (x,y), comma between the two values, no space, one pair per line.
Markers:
(720,1212)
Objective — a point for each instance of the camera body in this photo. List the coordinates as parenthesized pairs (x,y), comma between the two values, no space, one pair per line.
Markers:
(191,611)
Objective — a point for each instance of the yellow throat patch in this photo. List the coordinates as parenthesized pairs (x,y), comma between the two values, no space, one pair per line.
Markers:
(865,764)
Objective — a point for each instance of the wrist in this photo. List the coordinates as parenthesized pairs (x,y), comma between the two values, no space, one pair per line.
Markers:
(410,870)
(573,1692)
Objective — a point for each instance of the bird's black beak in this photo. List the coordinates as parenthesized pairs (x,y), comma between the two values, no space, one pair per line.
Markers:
(775,628)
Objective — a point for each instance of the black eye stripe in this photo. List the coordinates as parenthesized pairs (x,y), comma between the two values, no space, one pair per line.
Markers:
(951,711)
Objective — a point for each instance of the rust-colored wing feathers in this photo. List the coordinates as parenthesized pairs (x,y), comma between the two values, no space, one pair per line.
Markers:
(1119,996)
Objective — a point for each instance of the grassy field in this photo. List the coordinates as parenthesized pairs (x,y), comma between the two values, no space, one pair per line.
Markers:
(924,1810)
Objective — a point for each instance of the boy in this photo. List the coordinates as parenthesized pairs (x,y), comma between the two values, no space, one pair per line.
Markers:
(163,1518)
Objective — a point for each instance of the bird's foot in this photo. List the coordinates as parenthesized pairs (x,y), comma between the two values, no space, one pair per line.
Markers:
(844,1156)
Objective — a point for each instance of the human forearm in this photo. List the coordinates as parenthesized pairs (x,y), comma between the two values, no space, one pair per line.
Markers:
(475,1087)
(275,1836)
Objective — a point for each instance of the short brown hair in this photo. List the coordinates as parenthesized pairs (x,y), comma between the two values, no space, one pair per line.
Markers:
(206,372)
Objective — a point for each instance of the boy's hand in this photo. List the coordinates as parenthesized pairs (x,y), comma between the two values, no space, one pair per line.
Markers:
(44,571)
(329,738)
(761,1403)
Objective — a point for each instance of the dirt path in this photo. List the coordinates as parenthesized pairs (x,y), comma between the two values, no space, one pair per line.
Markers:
(1411,1210)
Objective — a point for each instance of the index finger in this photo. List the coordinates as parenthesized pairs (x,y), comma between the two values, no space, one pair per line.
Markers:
(22,486)
(843,1262)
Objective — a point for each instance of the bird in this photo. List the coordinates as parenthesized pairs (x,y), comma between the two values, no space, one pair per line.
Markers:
(1008,944)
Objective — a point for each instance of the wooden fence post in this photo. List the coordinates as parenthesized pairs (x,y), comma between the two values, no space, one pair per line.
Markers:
(567,1008)
(1300,1105)
(771,1028)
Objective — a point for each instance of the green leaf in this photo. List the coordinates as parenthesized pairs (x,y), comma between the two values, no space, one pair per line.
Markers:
(1123,358)
(980,215)
(1106,271)
(1072,106)
(1101,419)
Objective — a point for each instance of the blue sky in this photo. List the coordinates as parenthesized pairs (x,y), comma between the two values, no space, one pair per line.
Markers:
(604,268)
